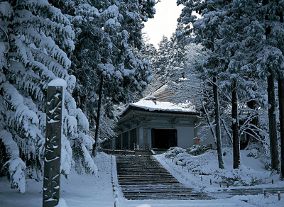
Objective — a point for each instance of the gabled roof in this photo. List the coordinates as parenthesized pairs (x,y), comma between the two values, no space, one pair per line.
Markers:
(161,107)
(164,93)
(185,89)
(153,105)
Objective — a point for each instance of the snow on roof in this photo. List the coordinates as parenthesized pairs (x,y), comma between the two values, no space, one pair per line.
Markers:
(153,105)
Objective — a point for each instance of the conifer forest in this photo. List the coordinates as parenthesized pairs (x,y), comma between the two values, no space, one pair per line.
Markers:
(224,62)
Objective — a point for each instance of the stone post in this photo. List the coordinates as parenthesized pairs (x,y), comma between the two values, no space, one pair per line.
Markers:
(54,108)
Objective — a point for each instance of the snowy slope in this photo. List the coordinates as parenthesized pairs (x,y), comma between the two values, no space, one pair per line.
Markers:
(198,171)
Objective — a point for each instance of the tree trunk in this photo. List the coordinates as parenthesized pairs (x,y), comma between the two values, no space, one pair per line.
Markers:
(235,126)
(281,110)
(95,147)
(272,123)
(217,122)
(281,117)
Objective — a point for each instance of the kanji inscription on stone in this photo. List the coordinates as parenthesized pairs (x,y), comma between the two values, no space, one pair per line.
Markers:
(51,180)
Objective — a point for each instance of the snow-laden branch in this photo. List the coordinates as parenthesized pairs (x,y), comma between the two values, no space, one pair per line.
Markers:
(16,165)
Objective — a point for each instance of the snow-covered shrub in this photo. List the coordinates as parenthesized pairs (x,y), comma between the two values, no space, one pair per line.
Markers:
(250,173)
(198,149)
(253,153)
(174,151)
(244,176)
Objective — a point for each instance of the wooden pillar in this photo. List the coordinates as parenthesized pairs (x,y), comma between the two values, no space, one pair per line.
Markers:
(51,179)
(128,138)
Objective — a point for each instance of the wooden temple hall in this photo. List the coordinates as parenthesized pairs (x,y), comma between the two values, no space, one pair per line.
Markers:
(149,124)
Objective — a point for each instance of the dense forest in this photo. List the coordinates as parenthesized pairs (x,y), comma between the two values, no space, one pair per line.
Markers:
(244,44)
(88,44)
(231,51)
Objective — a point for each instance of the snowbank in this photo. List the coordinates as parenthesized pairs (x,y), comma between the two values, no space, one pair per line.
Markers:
(61,203)
(252,171)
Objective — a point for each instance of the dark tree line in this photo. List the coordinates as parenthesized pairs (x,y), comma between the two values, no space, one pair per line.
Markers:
(244,40)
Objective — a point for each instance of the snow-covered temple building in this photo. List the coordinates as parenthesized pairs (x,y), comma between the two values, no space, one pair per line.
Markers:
(150,124)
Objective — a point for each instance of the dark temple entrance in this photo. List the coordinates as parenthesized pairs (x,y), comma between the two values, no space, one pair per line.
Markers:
(164,138)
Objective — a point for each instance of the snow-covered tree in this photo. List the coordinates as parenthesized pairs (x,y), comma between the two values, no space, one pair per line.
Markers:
(172,62)
(245,38)
(36,42)
(206,33)
(108,38)
(271,20)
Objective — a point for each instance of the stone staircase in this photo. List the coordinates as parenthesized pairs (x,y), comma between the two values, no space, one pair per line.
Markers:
(142,177)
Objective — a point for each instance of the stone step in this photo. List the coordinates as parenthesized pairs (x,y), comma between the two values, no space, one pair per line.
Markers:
(145,176)
(149,186)
(148,178)
(169,193)
(145,182)
(154,190)
(141,170)
(157,174)
(142,177)
(165,197)
(142,180)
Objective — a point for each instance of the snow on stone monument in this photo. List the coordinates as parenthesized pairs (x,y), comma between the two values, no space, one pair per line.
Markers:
(54,108)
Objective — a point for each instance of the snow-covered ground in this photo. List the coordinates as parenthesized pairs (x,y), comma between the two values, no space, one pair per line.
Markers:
(201,172)
(77,191)
(97,191)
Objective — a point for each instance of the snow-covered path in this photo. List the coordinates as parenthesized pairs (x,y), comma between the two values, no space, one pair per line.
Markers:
(78,191)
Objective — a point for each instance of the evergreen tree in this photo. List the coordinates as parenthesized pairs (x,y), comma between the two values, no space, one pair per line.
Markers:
(173,62)
(162,61)
(248,44)
(271,16)
(37,41)
(108,38)
(206,31)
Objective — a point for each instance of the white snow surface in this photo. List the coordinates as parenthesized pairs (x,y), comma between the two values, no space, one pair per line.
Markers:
(153,105)
(62,203)
(197,171)
(96,190)
(5,9)
(189,169)
(77,191)
(58,82)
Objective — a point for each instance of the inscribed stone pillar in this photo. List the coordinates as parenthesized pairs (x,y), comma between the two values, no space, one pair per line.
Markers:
(54,107)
